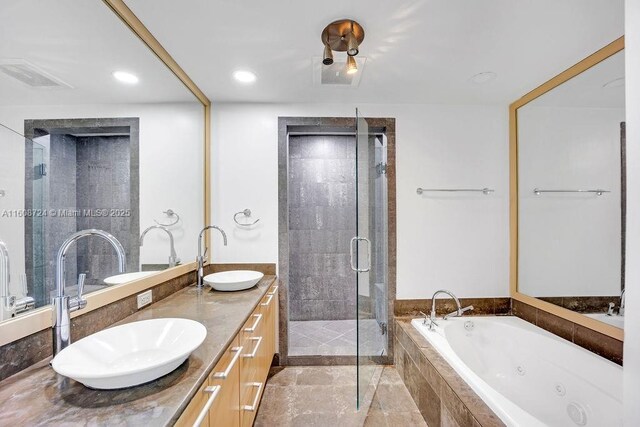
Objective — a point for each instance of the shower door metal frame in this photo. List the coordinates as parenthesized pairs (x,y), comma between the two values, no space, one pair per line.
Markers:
(328,125)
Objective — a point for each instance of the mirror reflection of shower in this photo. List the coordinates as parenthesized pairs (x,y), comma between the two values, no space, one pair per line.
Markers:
(81,173)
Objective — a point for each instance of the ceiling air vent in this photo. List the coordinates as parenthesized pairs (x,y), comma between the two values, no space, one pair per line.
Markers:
(336,74)
(29,74)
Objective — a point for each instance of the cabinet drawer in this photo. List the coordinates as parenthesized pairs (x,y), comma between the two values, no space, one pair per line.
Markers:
(226,408)
(192,414)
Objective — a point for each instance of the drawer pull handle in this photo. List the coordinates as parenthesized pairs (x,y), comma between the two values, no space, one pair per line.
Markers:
(214,390)
(223,375)
(255,399)
(273,291)
(255,349)
(270,297)
(255,324)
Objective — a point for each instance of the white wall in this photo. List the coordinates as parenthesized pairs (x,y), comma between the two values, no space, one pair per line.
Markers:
(569,244)
(453,241)
(632,314)
(171,146)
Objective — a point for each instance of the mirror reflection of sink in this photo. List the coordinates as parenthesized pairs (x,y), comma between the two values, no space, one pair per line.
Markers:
(119,279)
(130,354)
(615,320)
(235,280)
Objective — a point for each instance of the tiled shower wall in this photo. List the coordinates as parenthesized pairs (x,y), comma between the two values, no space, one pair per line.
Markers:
(322,221)
(104,182)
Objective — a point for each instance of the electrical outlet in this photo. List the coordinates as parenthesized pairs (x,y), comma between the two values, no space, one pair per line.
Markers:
(145,298)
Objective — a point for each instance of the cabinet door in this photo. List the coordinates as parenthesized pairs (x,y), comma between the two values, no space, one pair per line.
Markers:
(225,411)
(195,408)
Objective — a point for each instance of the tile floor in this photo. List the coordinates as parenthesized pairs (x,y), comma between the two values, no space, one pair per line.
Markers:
(326,396)
(334,338)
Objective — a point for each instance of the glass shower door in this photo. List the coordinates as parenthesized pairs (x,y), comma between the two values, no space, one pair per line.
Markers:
(369,260)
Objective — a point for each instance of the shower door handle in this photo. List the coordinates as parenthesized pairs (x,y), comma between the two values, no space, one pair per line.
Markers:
(357,239)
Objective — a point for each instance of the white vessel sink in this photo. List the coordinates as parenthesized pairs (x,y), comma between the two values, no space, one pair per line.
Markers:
(130,354)
(119,279)
(615,320)
(236,280)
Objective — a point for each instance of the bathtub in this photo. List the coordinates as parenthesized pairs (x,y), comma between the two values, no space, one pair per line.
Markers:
(528,376)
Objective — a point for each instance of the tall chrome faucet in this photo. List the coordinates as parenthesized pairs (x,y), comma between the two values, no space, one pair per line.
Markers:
(173,257)
(458,312)
(201,256)
(63,305)
(6,300)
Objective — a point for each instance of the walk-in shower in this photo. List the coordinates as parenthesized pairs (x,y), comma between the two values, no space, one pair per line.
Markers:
(334,240)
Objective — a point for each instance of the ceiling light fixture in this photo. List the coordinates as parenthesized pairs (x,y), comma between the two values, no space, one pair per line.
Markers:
(244,76)
(327,56)
(619,82)
(125,77)
(484,77)
(344,35)
(352,65)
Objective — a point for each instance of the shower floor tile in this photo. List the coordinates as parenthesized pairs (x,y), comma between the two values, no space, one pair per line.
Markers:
(334,338)
(324,396)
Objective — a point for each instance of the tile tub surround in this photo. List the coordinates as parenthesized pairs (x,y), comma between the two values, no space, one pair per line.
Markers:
(603,345)
(21,354)
(481,306)
(323,396)
(442,396)
(38,396)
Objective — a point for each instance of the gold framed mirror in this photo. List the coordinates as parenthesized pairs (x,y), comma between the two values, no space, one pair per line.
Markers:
(90,90)
(567,193)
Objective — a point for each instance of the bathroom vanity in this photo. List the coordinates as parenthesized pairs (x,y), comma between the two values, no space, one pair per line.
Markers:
(235,356)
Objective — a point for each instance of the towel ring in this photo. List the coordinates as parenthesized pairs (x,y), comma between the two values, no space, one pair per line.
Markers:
(246,213)
(170,213)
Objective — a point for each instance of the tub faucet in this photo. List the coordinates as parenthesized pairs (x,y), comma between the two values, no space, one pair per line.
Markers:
(173,257)
(63,305)
(201,256)
(458,312)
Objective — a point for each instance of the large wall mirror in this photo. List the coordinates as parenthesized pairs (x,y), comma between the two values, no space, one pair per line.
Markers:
(568,145)
(95,133)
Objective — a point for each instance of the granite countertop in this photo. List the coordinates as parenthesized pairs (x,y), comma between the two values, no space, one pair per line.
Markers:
(39,396)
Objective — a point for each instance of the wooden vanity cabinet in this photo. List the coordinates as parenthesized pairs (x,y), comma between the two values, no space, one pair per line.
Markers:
(231,394)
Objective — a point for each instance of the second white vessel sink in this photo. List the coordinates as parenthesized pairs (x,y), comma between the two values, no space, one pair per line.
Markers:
(119,279)
(235,280)
(130,354)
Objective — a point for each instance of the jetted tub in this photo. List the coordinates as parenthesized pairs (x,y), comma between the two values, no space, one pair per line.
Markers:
(528,376)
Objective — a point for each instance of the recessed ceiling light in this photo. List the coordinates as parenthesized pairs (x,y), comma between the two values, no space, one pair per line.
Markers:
(244,76)
(125,77)
(619,82)
(484,77)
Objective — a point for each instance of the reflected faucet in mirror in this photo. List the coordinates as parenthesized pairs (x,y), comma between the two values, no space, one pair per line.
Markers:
(11,304)
(63,305)
(201,256)
(173,257)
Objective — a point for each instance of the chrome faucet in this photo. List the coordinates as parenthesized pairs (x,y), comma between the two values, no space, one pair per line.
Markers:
(458,312)
(63,305)
(201,256)
(173,257)
(6,300)
(10,305)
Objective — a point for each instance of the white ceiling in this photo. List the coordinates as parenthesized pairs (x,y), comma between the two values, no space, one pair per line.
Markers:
(418,51)
(81,42)
(588,89)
